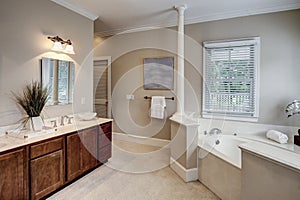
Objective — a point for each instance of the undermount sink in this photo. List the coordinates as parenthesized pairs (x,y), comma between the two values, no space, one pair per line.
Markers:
(65,127)
(25,134)
(2,145)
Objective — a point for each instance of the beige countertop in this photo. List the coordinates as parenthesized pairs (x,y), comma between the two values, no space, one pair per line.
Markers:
(9,142)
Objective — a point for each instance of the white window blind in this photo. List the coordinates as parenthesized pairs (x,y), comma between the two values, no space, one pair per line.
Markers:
(230,86)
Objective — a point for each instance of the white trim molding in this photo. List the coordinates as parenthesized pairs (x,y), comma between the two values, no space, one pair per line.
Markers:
(200,19)
(187,175)
(76,8)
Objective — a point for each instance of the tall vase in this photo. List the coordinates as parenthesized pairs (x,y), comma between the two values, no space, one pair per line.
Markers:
(36,123)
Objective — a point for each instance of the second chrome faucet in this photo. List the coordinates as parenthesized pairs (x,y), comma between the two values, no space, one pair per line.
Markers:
(62,120)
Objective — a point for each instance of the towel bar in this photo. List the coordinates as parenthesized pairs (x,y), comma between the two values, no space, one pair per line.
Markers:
(171,98)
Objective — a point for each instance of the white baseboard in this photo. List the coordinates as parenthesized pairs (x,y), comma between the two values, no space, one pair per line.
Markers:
(141,140)
(186,174)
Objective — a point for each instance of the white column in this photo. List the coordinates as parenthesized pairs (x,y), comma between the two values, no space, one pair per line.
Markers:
(180,61)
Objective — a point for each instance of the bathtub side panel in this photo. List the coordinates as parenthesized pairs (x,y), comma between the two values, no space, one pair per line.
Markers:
(266,179)
(220,177)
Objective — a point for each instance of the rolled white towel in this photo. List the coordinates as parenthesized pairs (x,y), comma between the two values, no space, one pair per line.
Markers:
(277,136)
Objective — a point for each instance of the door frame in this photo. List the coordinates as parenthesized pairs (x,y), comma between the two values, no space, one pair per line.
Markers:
(109,103)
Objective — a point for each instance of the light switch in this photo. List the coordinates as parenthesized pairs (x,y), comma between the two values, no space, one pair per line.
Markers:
(82,100)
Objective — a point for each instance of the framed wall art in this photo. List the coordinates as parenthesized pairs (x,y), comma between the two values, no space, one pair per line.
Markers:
(159,73)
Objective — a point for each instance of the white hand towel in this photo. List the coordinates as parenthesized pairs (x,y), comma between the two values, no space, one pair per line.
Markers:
(158,104)
(277,136)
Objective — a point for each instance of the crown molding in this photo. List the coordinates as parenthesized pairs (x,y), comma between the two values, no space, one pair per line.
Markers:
(76,8)
(242,13)
(134,29)
(200,19)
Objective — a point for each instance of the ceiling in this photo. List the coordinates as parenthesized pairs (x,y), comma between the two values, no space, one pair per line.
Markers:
(114,16)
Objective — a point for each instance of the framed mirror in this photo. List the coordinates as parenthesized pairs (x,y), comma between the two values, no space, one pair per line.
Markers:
(58,76)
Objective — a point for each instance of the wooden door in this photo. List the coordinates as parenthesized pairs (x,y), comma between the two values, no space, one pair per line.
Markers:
(89,148)
(47,174)
(12,175)
(102,86)
(73,156)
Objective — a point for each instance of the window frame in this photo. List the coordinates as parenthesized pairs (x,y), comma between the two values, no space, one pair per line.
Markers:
(233,43)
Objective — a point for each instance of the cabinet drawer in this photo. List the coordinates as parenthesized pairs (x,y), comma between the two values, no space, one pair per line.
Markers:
(45,147)
(105,128)
(104,153)
(104,139)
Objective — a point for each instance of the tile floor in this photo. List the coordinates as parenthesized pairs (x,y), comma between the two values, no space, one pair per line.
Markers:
(151,180)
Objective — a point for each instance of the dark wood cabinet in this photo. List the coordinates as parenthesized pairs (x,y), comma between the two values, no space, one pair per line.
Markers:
(73,156)
(104,142)
(81,152)
(12,176)
(38,169)
(89,148)
(104,153)
(47,174)
(46,167)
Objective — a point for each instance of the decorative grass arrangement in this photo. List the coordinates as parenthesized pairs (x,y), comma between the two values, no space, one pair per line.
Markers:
(32,100)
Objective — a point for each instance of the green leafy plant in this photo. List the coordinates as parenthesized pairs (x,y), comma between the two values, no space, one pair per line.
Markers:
(33,99)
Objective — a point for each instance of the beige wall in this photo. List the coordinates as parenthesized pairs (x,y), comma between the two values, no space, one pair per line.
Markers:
(133,116)
(280,50)
(128,52)
(25,26)
(279,70)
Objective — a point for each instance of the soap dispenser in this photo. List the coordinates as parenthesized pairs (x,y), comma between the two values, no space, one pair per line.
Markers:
(297,138)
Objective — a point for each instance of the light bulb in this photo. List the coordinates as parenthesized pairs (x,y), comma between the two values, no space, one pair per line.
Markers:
(69,49)
(57,46)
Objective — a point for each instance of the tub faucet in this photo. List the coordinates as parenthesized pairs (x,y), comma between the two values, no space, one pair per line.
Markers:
(215,131)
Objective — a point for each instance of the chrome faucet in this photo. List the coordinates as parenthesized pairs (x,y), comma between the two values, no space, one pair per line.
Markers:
(62,120)
(54,123)
(215,131)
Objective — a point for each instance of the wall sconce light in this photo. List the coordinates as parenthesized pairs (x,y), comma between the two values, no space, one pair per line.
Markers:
(293,108)
(59,45)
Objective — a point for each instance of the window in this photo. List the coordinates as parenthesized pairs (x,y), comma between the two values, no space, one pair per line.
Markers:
(58,76)
(65,82)
(231,74)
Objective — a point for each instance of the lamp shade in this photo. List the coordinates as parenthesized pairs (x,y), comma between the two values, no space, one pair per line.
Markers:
(57,46)
(69,49)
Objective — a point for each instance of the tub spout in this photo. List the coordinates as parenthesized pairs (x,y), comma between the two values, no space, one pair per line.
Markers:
(215,131)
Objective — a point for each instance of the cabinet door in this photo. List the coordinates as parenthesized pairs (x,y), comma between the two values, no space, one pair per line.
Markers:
(73,156)
(12,175)
(104,153)
(104,144)
(47,174)
(89,148)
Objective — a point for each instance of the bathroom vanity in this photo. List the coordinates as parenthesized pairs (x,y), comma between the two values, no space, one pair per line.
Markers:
(34,168)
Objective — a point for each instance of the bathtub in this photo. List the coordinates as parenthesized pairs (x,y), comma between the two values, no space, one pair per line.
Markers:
(225,147)
(219,164)
(220,160)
